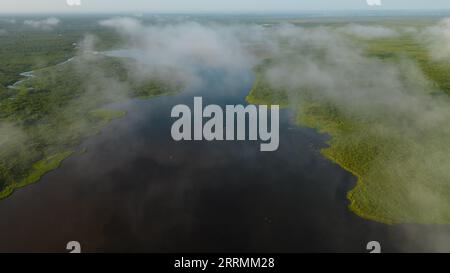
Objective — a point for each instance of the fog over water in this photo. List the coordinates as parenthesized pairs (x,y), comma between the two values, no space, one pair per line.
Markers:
(135,189)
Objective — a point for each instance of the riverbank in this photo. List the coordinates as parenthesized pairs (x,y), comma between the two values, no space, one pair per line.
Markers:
(55,108)
(402,170)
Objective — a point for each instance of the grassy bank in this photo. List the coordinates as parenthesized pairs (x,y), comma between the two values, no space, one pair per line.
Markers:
(403,172)
(43,121)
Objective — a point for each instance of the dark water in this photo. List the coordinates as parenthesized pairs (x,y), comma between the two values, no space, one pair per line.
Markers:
(137,190)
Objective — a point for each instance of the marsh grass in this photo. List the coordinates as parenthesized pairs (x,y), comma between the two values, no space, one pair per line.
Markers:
(402,176)
(48,116)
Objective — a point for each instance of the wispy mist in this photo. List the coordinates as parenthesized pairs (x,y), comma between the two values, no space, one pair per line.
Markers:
(44,24)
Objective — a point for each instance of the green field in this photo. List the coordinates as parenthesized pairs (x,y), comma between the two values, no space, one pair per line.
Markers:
(401,163)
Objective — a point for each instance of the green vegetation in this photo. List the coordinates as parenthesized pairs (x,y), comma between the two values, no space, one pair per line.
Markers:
(107,115)
(403,171)
(45,117)
(37,171)
(25,49)
(262,93)
(408,46)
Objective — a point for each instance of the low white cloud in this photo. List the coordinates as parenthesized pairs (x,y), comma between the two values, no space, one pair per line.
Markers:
(368,32)
(437,38)
(10,136)
(8,20)
(183,49)
(45,24)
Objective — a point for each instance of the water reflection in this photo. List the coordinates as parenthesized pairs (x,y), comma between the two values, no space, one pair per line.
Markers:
(137,190)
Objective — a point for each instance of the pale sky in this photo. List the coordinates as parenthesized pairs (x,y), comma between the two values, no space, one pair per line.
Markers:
(27,6)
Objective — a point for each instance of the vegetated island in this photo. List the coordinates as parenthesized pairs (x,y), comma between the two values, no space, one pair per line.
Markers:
(403,175)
